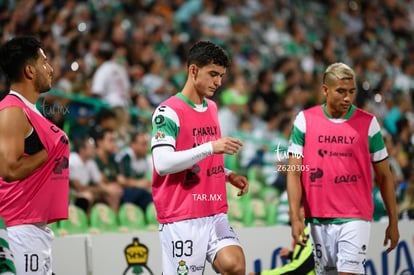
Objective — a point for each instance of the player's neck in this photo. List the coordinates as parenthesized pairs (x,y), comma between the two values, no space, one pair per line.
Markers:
(190,93)
(334,113)
(26,92)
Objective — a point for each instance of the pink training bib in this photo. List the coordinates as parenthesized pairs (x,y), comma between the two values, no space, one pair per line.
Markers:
(200,190)
(44,195)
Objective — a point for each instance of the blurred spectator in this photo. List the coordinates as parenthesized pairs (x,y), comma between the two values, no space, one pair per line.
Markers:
(215,22)
(135,164)
(276,35)
(106,151)
(155,86)
(264,89)
(298,47)
(407,205)
(401,107)
(279,150)
(104,119)
(111,81)
(233,105)
(142,122)
(124,129)
(85,177)
(256,112)
(404,137)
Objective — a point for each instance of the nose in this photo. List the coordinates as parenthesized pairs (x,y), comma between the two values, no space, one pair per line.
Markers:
(217,81)
(50,68)
(347,97)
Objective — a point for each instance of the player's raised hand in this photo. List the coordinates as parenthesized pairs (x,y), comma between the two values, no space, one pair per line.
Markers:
(226,145)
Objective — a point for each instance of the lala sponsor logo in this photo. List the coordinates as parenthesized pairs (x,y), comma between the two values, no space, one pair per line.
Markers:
(215,170)
(348,179)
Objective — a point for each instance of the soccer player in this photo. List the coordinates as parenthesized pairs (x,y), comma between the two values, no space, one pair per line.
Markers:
(189,176)
(34,183)
(331,149)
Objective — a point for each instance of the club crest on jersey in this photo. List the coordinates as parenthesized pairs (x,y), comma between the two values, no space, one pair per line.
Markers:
(159,119)
(182,268)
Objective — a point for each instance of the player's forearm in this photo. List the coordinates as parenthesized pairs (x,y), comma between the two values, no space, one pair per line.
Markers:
(24,166)
(385,182)
(388,195)
(294,189)
(167,161)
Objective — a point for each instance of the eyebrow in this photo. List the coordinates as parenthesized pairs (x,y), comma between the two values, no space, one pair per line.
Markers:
(216,73)
(343,89)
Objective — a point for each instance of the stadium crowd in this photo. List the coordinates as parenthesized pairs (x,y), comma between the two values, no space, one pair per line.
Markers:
(115,60)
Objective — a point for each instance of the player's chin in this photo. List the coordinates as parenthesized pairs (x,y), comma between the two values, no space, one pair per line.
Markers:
(46,89)
(210,91)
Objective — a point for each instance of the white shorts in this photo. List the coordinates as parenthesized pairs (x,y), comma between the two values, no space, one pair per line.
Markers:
(340,247)
(32,249)
(187,244)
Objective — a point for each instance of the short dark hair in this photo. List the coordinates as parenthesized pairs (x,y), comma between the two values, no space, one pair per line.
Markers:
(204,53)
(136,134)
(105,114)
(16,53)
(80,143)
(284,123)
(401,124)
(101,134)
(106,50)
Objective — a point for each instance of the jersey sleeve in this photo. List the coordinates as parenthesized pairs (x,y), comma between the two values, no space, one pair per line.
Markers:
(377,149)
(165,127)
(297,138)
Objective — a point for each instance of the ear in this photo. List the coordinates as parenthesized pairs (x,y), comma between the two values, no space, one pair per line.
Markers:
(29,71)
(193,70)
(325,90)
